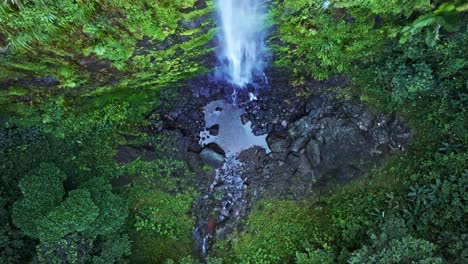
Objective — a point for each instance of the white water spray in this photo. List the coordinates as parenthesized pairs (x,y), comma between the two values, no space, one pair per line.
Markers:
(241,36)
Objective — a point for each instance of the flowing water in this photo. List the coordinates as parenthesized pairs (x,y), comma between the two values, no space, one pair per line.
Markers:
(227,187)
(242,51)
(241,58)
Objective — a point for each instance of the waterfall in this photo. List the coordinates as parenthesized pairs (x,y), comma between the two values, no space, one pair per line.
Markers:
(241,35)
(242,56)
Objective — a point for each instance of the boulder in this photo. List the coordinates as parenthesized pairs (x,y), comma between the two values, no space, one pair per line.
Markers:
(128,154)
(312,151)
(212,158)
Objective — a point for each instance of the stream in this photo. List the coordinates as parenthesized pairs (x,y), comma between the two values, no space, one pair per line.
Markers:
(233,135)
(241,58)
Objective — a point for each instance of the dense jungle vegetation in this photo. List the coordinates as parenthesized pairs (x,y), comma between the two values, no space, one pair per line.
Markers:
(78,78)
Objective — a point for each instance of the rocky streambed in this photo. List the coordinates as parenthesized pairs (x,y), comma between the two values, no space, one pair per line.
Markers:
(291,142)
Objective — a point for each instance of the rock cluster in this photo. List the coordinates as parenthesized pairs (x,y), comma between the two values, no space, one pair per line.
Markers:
(317,140)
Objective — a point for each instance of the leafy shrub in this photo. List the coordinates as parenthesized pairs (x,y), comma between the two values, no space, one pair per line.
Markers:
(325,42)
(315,256)
(65,223)
(160,201)
(273,232)
(394,245)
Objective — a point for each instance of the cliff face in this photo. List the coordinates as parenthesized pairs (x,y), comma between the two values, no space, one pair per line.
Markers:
(117,53)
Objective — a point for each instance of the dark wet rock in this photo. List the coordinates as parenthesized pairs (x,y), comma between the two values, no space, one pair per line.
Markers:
(300,132)
(338,143)
(316,142)
(341,139)
(195,147)
(335,141)
(48,81)
(399,134)
(224,200)
(121,181)
(179,52)
(199,4)
(194,161)
(196,23)
(94,64)
(212,158)
(216,148)
(183,143)
(259,130)
(127,154)
(244,119)
(279,145)
(314,106)
(264,175)
(312,151)
(305,172)
(214,130)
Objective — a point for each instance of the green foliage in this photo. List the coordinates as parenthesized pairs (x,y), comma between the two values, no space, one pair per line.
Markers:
(14,247)
(42,190)
(113,250)
(351,213)
(41,21)
(110,59)
(76,249)
(274,230)
(161,199)
(397,7)
(315,256)
(325,42)
(74,215)
(70,249)
(191,260)
(92,209)
(394,245)
(39,161)
(113,210)
(446,17)
(103,54)
(76,157)
(409,78)
(53,116)
(64,226)
(321,38)
(55,171)
(438,206)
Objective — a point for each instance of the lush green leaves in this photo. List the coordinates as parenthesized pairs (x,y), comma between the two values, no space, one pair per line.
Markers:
(14,246)
(112,209)
(393,245)
(161,200)
(70,249)
(446,16)
(326,41)
(74,215)
(274,231)
(113,250)
(42,190)
(315,256)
